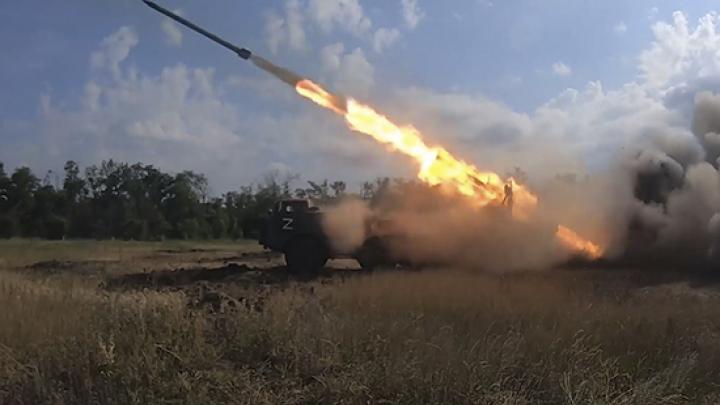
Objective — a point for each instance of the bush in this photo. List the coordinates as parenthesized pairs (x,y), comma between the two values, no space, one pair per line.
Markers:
(188,229)
(135,229)
(7,228)
(55,228)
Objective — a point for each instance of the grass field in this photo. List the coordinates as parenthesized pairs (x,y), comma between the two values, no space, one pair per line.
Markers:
(170,322)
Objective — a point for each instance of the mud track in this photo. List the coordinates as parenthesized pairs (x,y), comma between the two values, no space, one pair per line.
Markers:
(242,275)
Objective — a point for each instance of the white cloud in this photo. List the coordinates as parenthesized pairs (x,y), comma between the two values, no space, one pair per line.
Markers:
(384,38)
(180,118)
(570,133)
(296,31)
(680,53)
(412,13)
(620,28)
(114,50)
(92,97)
(331,55)
(357,75)
(173,35)
(561,69)
(330,16)
(581,129)
(351,72)
(464,117)
(288,30)
(173,120)
(275,29)
(347,15)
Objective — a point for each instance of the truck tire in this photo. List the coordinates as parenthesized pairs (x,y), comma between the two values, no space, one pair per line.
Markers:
(305,256)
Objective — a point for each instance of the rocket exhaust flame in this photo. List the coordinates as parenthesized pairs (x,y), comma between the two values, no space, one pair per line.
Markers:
(317,94)
(437,165)
(569,238)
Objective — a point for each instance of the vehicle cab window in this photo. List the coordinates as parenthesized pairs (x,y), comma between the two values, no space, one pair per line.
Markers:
(293,206)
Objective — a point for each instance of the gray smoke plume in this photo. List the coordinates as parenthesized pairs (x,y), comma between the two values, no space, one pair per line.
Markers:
(706,124)
(287,76)
(676,208)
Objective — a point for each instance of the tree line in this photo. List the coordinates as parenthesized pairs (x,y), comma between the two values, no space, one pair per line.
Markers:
(140,202)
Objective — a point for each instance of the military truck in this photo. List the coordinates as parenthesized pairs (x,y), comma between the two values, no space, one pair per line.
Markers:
(294,228)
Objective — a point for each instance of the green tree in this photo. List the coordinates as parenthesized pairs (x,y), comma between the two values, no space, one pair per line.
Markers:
(318,191)
(119,200)
(108,198)
(48,221)
(182,206)
(338,188)
(367,192)
(21,199)
(216,215)
(78,209)
(237,204)
(7,224)
(73,184)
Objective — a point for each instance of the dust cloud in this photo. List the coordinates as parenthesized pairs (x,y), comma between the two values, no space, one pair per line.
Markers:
(345,223)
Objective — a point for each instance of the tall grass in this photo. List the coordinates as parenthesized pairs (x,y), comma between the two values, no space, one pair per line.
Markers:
(435,337)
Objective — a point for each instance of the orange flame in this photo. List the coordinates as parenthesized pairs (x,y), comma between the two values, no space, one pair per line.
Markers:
(437,165)
(320,96)
(572,240)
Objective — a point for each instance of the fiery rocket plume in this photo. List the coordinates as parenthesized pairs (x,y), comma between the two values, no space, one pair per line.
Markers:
(437,165)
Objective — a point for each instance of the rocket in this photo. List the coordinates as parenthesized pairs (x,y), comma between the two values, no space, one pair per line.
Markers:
(287,76)
(241,52)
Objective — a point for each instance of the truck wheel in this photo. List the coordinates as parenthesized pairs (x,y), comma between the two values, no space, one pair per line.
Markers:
(372,255)
(305,257)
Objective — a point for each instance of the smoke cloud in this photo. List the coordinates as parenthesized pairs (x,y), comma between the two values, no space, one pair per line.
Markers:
(657,203)
(677,189)
(285,75)
(706,124)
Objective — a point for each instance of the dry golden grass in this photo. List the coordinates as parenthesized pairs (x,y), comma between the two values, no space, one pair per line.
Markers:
(429,337)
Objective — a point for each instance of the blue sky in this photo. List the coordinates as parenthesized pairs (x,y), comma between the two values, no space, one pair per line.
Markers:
(89,80)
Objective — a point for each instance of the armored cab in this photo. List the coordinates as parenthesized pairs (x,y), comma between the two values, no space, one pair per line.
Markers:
(294,228)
